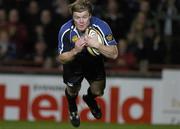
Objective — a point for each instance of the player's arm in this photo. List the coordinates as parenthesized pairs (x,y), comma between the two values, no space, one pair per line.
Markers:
(68,56)
(108,51)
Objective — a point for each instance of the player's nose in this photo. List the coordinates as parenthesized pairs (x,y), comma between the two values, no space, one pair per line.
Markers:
(81,20)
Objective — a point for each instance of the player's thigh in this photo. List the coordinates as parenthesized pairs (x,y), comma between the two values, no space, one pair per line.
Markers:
(73,84)
(73,81)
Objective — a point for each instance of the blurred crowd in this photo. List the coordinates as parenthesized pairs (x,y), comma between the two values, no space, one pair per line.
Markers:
(147,31)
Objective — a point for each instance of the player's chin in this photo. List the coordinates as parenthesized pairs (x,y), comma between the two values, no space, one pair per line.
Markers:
(81,29)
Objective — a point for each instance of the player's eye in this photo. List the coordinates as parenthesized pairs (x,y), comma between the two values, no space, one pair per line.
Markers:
(83,17)
(86,16)
(76,18)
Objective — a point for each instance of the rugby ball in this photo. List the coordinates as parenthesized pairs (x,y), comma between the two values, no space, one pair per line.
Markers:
(92,32)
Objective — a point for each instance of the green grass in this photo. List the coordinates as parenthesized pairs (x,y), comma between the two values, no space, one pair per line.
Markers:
(87,125)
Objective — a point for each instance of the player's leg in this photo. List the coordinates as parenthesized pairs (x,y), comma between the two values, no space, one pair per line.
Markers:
(96,89)
(95,75)
(71,95)
(73,76)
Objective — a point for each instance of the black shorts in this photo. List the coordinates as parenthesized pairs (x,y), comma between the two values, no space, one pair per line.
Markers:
(84,66)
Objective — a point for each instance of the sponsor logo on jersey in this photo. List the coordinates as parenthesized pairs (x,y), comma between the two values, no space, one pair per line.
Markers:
(109,37)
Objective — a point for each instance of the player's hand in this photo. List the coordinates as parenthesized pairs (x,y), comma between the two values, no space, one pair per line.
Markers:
(80,44)
(92,41)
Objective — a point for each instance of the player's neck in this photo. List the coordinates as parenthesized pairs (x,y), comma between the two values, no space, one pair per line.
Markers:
(81,33)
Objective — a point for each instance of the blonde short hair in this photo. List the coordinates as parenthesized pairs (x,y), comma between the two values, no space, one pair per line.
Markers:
(80,6)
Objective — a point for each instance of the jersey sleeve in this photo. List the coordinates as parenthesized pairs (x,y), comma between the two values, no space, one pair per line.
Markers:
(107,33)
(63,40)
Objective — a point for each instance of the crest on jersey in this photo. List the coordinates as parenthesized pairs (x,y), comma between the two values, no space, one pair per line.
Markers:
(74,38)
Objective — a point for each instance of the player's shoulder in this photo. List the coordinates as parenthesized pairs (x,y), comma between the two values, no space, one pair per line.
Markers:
(98,21)
(66,26)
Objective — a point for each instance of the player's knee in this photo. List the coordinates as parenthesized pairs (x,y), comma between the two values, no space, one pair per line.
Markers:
(72,91)
(73,94)
(98,93)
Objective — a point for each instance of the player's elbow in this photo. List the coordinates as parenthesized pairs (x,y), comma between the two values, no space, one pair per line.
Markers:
(61,59)
(115,55)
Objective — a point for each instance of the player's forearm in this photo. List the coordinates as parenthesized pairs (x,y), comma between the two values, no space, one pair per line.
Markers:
(67,56)
(108,51)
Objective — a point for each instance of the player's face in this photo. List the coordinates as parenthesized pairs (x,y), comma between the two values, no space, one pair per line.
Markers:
(81,20)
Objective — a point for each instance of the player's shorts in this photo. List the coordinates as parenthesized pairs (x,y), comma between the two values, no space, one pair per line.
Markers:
(85,66)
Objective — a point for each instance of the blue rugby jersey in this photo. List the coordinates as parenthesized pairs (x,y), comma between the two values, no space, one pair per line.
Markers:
(68,34)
